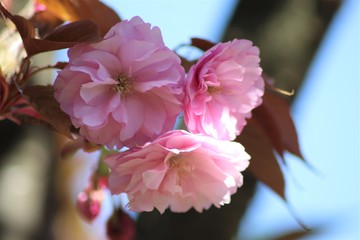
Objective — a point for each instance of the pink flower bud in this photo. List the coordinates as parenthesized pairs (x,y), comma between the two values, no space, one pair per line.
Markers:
(120,226)
(88,204)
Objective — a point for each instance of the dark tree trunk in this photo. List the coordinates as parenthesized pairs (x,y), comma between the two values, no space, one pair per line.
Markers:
(214,223)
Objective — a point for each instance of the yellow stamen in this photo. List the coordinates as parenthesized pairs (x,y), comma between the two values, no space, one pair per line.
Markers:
(175,161)
(124,85)
(213,89)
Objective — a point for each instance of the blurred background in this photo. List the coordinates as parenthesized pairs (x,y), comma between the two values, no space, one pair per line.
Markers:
(311,46)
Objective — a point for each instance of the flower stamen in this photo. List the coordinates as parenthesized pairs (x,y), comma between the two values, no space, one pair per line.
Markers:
(213,89)
(175,162)
(182,168)
(124,85)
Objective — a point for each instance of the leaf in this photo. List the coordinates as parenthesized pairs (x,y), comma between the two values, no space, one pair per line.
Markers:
(186,64)
(69,148)
(263,164)
(79,31)
(297,234)
(71,10)
(270,129)
(60,65)
(45,22)
(4,92)
(24,27)
(26,119)
(62,37)
(43,100)
(202,44)
(274,116)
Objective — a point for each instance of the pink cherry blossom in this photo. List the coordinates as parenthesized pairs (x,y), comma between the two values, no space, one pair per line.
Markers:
(179,170)
(124,90)
(222,88)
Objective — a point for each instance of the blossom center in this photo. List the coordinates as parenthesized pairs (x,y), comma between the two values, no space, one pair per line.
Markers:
(177,162)
(213,89)
(124,85)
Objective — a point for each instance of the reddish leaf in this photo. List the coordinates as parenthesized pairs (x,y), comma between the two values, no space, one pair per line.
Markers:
(270,129)
(21,118)
(63,37)
(22,106)
(186,63)
(4,91)
(13,105)
(263,163)
(297,234)
(94,10)
(202,44)
(24,27)
(45,22)
(79,31)
(42,99)
(71,147)
(274,116)
(60,65)
(263,115)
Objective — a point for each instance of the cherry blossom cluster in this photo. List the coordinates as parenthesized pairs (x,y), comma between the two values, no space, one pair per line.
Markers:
(128,91)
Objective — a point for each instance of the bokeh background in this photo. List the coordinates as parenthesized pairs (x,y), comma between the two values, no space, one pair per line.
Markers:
(311,46)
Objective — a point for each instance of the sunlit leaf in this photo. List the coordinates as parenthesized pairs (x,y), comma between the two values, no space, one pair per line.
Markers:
(24,27)
(62,37)
(71,10)
(64,10)
(45,22)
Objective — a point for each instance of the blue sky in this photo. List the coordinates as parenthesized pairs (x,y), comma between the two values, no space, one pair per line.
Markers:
(326,113)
